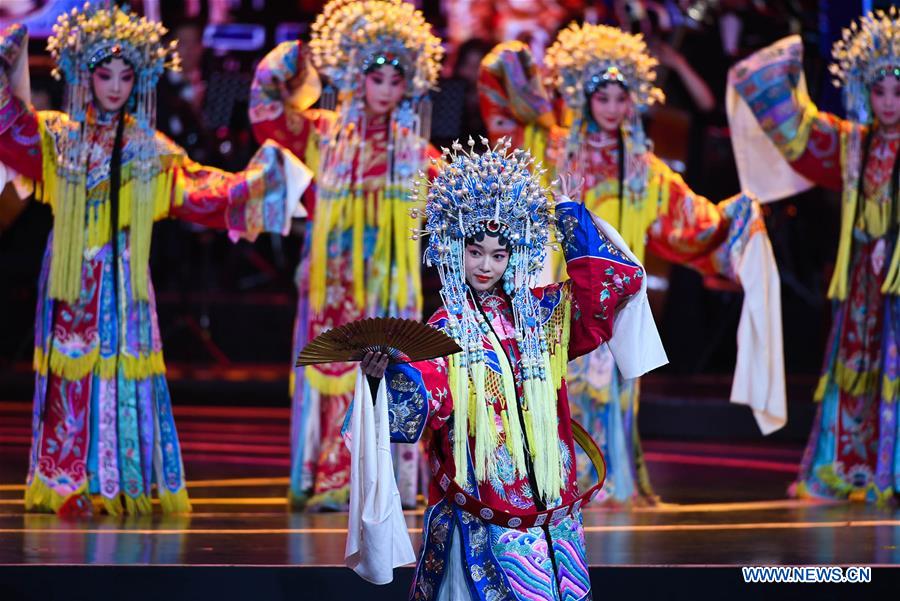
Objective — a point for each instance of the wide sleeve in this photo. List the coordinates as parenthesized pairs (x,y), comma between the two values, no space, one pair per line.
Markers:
(418,393)
(264,197)
(510,94)
(729,240)
(601,279)
(20,140)
(692,230)
(283,116)
(772,118)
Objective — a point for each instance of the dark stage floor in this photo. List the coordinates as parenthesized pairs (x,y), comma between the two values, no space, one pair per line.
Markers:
(724,507)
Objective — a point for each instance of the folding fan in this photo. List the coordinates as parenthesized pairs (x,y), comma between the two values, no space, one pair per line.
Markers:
(404,340)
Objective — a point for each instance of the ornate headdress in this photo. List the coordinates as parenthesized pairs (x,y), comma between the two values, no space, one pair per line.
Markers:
(868,50)
(497,192)
(349,37)
(81,41)
(584,57)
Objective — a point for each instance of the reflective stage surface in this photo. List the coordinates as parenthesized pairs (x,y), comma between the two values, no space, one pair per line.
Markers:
(725,506)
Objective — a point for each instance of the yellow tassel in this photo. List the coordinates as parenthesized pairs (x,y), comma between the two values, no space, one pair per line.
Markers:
(40,497)
(73,368)
(311,156)
(112,506)
(133,368)
(529,427)
(892,278)
(515,436)
(359,271)
(47,192)
(402,242)
(535,141)
(889,388)
(414,257)
(486,438)
(329,209)
(177,502)
(381,253)
(838,288)
(39,363)
(560,358)
(853,382)
(821,387)
(68,202)
(139,505)
(458,381)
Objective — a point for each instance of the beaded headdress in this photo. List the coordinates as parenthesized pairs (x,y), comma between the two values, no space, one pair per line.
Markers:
(349,37)
(868,50)
(495,192)
(585,57)
(82,40)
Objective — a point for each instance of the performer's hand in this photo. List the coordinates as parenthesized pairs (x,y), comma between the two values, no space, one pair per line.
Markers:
(374,364)
(564,188)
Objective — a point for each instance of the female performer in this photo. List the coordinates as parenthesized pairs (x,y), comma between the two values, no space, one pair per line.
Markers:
(852,451)
(604,78)
(380,60)
(102,422)
(504,519)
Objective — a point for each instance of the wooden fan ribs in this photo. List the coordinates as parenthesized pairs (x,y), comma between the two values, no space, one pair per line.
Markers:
(404,340)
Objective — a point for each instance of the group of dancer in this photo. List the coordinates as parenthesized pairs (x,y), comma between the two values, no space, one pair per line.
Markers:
(546,337)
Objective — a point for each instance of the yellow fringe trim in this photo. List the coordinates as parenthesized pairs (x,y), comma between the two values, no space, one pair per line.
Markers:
(473,391)
(856,383)
(336,498)
(75,368)
(458,381)
(889,388)
(535,140)
(821,387)
(853,382)
(76,228)
(177,502)
(854,494)
(395,252)
(837,289)
(40,497)
(332,385)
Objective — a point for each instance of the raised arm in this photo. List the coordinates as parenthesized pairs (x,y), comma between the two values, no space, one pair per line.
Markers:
(284,88)
(261,198)
(20,141)
(771,83)
(691,230)
(601,278)
(511,95)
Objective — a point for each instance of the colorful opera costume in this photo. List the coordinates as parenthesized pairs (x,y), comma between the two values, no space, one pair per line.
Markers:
(358,260)
(652,208)
(852,451)
(500,433)
(102,422)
